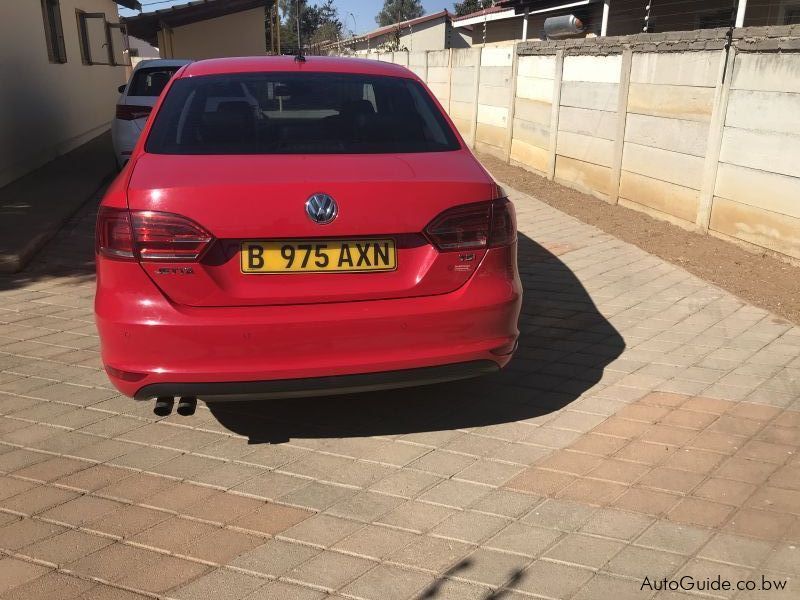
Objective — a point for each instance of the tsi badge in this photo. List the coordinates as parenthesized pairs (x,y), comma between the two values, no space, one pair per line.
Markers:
(321,209)
(175,271)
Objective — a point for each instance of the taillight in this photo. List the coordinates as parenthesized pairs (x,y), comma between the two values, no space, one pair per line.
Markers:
(113,237)
(149,235)
(474,226)
(504,224)
(130,112)
(164,236)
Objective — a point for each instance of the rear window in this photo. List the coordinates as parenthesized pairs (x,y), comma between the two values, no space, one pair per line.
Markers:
(150,81)
(298,113)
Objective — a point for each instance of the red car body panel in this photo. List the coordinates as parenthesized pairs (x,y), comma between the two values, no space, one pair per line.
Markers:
(160,325)
(268,191)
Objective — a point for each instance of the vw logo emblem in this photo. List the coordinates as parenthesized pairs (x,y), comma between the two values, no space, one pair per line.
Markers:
(321,208)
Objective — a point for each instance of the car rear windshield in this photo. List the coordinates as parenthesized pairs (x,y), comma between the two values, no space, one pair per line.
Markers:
(150,81)
(298,113)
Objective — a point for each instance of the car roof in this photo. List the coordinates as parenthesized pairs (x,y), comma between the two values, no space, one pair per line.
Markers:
(316,64)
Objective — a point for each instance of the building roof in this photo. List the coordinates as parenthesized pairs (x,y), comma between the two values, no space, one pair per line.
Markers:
(481,13)
(146,25)
(402,25)
(314,64)
(132,4)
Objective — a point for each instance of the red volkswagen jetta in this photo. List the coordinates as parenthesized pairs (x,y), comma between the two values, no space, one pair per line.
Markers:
(291,227)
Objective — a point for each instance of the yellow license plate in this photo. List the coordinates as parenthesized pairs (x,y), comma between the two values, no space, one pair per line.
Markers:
(312,256)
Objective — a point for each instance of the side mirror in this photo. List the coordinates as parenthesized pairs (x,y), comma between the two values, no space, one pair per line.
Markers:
(121,89)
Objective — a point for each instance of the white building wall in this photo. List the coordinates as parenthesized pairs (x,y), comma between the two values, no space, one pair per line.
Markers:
(48,109)
(237,34)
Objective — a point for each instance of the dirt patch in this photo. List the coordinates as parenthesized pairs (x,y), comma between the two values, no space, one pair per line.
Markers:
(759,279)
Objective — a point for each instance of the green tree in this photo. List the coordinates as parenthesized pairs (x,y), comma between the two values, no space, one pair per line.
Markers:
(318,23)
(470,6)
(329,26)
(395,11)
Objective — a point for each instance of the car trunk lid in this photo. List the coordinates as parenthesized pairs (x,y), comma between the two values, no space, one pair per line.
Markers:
(262,197)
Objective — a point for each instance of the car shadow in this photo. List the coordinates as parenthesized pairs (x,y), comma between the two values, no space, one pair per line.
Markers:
(565,344)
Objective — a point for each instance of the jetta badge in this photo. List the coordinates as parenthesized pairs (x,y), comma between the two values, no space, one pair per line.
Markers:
(321,208)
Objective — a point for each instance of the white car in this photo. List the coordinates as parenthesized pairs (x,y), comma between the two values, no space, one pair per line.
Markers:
(137,99)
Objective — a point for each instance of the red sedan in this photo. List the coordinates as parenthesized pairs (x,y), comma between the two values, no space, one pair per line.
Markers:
(292,226)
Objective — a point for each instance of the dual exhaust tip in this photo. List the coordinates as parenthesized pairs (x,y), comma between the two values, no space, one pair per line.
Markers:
(164,404)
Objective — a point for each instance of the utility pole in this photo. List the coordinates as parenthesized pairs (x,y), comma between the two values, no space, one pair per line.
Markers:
(399,20)
(278,26)
(299,44)
(271,22)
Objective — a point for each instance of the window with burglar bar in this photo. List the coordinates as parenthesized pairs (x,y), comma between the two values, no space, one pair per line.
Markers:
(101,42)
(53,31)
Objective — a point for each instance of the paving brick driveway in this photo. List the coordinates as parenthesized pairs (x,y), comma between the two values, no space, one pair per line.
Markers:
(649,427)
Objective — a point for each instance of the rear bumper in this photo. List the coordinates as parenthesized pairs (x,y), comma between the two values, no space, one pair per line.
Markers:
(152,347)
(320,386)
(124,135)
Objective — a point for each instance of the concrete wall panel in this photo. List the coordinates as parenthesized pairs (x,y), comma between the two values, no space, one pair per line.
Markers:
(676,102)
(767,72)
(462,93)
(438,74)
(537,66)
(461,110)
(674,200)
(496,76)
(417,59)
(770,191)
(531,110)
(497,56)
(493,96)
(681,169)
(400,58)
(770,111)
(594,150)
(532,133)
(529,156)
(587,177)
(757,226)
(463,76)
(438,58)
(774,152)
(535,88)
(596,123)
(678,135)
(596,69)
(686,68)
(464,57)
(493,115)
(597,96)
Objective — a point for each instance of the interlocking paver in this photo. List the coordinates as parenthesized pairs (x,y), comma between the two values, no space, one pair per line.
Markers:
(221,584)
(330,570)
(274,557)
(387,582)
(14,573)
(648,426)
(323,530)
(66,547)
(53,586)
(22,532)
(376,542)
